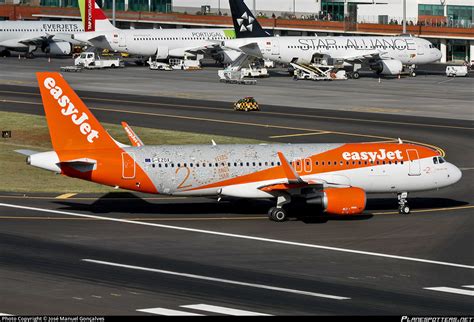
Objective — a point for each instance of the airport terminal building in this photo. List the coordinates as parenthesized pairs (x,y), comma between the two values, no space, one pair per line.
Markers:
(447,23)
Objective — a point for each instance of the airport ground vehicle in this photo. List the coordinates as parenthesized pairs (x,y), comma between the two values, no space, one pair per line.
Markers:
(317,72)
(253,70)
(92,60)
(456,71)
(246,104)
(155,65)
(330,178)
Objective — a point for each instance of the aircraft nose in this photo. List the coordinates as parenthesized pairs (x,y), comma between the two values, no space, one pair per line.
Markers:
(454,173)
(438,54)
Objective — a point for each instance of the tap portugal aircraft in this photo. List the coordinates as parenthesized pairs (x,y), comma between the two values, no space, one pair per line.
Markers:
(333,177)
(156,43)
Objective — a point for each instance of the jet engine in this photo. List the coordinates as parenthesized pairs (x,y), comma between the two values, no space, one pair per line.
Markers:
(226,56)
(341,201)
(387,67)
(58,48)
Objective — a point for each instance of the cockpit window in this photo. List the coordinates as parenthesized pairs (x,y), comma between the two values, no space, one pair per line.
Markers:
(439,160)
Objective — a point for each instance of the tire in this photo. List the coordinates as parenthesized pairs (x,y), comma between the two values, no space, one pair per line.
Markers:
(112,66)
(413,74)
(355,75)
(278,214)
(404,210)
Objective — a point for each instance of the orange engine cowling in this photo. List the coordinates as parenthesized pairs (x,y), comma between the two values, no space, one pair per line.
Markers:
(344,201)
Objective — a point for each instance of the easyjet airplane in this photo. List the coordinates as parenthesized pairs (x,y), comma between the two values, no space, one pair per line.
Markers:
(335,177)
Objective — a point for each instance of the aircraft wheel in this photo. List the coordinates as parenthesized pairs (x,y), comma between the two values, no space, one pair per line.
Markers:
(355,75)
(277,214)
(404,210)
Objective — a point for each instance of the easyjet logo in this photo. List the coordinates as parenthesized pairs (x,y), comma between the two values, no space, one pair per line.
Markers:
(68,109)
(132,136)
(381,154)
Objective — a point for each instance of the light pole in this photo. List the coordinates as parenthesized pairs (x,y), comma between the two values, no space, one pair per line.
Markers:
(113,12)
(404,16)
(294,8)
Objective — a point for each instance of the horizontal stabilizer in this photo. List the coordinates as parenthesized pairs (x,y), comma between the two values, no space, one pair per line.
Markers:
(26,152)
(81,165)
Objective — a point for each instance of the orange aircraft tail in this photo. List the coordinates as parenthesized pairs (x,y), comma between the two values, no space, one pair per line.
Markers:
(71,124)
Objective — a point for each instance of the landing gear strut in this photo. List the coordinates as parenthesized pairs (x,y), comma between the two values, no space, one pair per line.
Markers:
(403,208)
(277,213)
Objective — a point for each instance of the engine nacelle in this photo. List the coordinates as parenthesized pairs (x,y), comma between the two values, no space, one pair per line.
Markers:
(387,67)
(344,201)
(226,56)
(58,48)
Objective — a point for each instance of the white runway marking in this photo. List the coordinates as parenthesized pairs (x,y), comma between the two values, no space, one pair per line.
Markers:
(168,312)
(5,314)
(214,279)
(468,286)
(275,241)
(451,290)
(222,310)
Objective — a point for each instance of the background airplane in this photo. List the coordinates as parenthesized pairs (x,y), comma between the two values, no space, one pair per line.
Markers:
(52,37)
(156,43)
(334,178)
(384,55)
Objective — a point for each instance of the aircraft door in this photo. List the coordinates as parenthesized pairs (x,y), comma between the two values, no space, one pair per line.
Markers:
(122,40)
(128,165)
(275,47)
(413,163)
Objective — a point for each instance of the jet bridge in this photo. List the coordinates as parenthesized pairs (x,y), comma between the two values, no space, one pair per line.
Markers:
(317,72)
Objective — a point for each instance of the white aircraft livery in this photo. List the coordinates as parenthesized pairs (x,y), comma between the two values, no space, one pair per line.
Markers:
(155,43)
(385,55)
(53,37)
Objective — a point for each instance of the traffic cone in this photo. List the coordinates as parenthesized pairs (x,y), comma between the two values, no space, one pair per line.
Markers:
(398,76)
(49,59)
(19,57)
(379,80)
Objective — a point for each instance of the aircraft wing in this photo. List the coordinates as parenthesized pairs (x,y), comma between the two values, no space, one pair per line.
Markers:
(295,182)
(252,49)
(36,41)
(376,54)
(210,46)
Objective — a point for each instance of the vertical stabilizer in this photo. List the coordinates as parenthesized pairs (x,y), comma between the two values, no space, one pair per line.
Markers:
(245,23)
(93,18)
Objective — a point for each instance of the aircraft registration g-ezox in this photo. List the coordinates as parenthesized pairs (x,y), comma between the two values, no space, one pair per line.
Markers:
(334,177)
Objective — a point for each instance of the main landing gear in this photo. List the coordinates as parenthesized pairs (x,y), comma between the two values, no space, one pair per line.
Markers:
(403,208)
(277,213)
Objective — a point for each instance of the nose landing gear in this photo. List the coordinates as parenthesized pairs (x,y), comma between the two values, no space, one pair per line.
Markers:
(403,207)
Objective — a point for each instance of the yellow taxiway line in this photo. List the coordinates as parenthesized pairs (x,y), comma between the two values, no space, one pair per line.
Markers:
(66,195)
(299,134)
